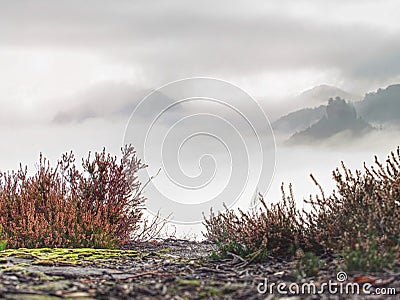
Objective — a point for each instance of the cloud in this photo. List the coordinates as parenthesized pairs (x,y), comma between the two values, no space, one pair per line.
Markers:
(177,39)
(103,100)
(68,50)
(380,59)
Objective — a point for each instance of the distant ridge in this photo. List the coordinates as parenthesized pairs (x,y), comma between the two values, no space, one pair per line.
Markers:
(299,120)
(318,95)
(311,106)
(340,116)
(382,106)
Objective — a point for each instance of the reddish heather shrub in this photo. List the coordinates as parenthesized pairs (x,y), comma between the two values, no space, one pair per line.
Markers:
(364,209)
(274,230)
(360,221)
(100,206)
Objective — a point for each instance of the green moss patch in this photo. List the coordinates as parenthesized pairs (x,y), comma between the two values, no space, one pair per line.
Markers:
(63,256)
(188,282)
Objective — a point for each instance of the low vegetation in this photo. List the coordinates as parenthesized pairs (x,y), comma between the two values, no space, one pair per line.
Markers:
(3,243)
(308,264)
(359,222)
(101,206)
(98,206)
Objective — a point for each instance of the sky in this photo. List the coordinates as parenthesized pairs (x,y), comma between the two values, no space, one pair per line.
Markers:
(56,55)
(72,72)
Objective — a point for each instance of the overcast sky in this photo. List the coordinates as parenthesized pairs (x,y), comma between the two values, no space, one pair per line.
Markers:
(72,71)
(87,58)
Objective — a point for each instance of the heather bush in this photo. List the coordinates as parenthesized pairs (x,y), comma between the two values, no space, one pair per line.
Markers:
(274,230)
(359,221)
(365,206)
(61,206)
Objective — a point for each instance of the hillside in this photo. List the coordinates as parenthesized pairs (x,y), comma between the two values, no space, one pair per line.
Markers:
(382,106)
(299,120)
(340,116)
(309,107)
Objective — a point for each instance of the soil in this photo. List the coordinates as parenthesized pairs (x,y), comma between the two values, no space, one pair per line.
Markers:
(169,269)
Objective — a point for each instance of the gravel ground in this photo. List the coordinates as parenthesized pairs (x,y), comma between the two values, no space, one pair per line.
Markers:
(169,269)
